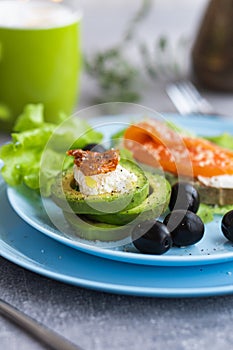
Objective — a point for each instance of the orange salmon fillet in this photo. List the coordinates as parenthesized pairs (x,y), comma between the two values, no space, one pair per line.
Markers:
(152,142)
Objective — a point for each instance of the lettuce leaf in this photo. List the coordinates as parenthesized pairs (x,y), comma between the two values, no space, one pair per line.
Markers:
(31,118)
(22,156)
(224,140)
(207,212)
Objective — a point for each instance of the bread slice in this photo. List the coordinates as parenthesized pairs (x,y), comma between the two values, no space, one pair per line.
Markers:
(208,195)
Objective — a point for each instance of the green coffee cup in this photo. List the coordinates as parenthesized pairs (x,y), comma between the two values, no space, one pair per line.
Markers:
(39,62)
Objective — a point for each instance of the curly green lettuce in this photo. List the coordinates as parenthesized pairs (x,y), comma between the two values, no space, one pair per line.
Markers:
(22,156)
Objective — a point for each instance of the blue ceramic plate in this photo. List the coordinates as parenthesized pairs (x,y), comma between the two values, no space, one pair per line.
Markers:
(212,249)
(28,248)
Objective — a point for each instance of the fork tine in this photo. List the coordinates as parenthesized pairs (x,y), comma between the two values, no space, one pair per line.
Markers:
(203,104)
(187,99)
(178,99)
(189,96)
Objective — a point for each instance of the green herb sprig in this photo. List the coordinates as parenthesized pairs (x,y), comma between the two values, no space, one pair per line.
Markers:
(117,77)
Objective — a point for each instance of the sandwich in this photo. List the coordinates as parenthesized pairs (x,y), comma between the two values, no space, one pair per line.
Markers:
(184,157)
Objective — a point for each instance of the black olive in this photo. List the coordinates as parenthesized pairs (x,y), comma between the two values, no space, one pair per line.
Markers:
(152,237)
(184,196)
(227,225)
(94,147)
(186,227)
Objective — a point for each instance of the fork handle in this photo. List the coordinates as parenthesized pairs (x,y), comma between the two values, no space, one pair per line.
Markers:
(46,336)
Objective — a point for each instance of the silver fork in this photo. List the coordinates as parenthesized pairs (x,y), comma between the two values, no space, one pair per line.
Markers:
(188,100)
(46,336)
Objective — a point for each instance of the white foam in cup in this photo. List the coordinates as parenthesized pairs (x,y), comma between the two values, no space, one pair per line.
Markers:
(35,14)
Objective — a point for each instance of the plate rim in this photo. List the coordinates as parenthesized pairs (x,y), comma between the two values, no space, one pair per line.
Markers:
(119,288)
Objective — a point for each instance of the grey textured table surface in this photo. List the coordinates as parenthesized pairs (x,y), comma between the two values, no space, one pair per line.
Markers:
(96,320)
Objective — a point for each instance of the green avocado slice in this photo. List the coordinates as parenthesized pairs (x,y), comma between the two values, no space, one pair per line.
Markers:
(151,207)
(96,231)
(67,196)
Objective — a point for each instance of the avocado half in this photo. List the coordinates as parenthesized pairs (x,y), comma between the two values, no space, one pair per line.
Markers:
(65,191)
(115,227)
(148,200)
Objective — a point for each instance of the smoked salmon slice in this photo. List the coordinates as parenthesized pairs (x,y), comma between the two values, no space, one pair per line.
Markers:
(154,143)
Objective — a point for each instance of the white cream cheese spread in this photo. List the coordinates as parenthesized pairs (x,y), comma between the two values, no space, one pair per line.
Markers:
(220,181)
(119,180)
